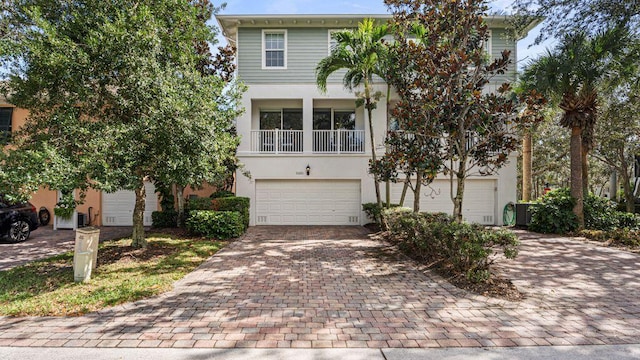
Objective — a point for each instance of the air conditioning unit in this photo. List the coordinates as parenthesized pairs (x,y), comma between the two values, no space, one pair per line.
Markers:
(523,214)
(82,220)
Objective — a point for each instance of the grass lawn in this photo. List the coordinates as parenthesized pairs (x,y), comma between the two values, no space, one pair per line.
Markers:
(123,275)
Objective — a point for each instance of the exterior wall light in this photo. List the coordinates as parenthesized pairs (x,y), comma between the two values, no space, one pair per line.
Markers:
(308,170)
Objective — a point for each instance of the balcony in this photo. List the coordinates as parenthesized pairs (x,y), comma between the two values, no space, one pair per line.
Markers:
(292,141)
(276,141)
(338,141)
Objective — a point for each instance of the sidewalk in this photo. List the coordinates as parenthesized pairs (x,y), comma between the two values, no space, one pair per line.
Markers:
(618,352)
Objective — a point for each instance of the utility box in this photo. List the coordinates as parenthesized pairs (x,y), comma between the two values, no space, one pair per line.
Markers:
(523,214)
(85,256)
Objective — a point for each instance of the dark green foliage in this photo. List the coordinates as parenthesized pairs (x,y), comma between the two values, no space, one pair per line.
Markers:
(238,204)
(200,203)
(627,220)
(167,201)
(164,219)
(460,248)
(599,213)
(554,213)
(215,224)
(374,211)
(221,194)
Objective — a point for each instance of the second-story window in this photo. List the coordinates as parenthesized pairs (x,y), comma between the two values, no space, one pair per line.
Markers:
(274,43)
(329,119)
(283,119)
(5,124)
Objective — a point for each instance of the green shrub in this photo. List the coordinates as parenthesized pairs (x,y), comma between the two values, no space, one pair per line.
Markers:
(221,194)
(199,203)
(374,211)
(215,224)
(465,249)
(554,213)
(238,204)
(164,219)
(627,220)
(599,213)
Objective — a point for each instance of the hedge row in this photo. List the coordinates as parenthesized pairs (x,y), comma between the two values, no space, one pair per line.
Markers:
(459,248)
(215,224)
(211,217)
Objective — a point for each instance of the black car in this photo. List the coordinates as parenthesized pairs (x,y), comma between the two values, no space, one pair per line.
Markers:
(17,221)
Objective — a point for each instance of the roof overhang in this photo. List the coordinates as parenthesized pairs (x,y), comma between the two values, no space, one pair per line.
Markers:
(229,24)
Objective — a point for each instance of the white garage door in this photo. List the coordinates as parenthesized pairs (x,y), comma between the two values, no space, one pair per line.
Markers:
(308,202)
(117,207)
(478,204)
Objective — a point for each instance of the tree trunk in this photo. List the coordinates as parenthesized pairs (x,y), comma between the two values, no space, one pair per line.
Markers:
(138,218)
(457,200)
(387,187)
(369,107)
(526,166)
(405,187)
(181,214)
(416,192)
(613,186)
(628,187)
(628,192)
(576,175)
(585,172)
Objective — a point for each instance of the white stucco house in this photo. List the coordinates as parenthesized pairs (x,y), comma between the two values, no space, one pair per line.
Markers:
(308,151)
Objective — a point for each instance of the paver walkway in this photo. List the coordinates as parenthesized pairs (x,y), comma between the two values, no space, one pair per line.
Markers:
(330,287)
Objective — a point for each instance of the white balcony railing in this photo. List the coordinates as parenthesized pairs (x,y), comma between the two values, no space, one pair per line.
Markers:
(291,141)
(338,141)
(276,141)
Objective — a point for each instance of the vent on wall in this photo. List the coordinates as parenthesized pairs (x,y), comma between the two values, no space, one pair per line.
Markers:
(487,219)
(110,220)
(262,219)
(353,219)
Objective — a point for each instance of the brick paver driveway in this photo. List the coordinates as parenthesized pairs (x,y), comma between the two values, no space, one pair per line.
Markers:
(332,287)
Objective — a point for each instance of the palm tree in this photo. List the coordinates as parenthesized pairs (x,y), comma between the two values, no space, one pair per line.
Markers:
(359,52)
(569,75)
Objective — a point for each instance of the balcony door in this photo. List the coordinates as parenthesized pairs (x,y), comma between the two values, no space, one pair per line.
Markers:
(281,130)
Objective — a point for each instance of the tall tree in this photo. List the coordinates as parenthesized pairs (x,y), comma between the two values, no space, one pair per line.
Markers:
(618,133)
(570,75)
(446,72)
(564,17)
(359,52)
(113,90)
(532,114)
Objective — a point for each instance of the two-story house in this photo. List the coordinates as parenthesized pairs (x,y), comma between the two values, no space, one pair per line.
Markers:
(308,151)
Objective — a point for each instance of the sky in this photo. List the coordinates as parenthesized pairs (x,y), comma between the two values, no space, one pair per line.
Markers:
(264,7)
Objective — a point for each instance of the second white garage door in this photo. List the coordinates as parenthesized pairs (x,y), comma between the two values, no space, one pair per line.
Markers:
(117,207)
(478,204)
(308,202)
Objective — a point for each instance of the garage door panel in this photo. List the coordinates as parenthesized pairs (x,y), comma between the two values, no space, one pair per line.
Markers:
(307,202)
(117,207)
(478,205)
